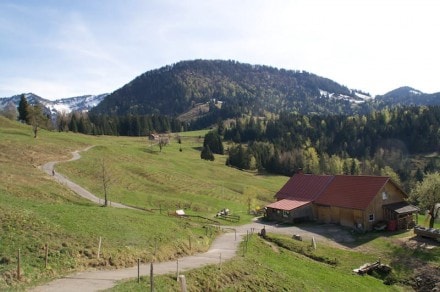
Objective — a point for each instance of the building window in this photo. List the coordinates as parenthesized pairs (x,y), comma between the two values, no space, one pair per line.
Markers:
(384,196)
(286,213)
(371,217)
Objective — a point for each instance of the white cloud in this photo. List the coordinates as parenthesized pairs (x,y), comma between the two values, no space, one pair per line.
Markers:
(89,47)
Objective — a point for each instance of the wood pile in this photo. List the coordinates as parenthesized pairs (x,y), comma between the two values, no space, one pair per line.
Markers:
(427,232)
(369,268)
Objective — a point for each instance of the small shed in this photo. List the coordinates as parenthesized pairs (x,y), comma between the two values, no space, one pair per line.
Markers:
(295,199)
(290,211)
(400,215)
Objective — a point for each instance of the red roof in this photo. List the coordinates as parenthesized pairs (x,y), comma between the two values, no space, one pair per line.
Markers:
(354,192)
(287,205)
(304,187)
(346,191)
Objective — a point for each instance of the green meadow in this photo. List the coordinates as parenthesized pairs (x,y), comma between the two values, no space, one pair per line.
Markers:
(36,211)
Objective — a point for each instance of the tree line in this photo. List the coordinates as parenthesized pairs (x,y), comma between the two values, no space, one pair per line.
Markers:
(127,125)
(378,143)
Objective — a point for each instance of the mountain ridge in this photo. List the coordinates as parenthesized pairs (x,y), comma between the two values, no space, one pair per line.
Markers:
(175,89)
(55,107)
(407,95)
(189,89)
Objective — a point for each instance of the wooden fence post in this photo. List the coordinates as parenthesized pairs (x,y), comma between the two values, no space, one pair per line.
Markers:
(99,247)
(46,253)
(220,263)
(177,273)
(182,281)
(18,266)
(151,278)
(139,276)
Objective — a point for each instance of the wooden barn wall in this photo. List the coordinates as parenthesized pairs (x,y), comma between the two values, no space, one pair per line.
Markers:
(343,216)
(272,214)
(323,213)
(358,217)
(347,217)
(301,212)
(335,214)
(394,195)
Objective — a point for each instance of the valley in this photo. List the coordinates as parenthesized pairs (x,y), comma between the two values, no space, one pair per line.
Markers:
(36,210)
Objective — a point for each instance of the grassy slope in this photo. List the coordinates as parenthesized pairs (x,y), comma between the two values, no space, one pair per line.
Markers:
(269,267)
(144,176)
(35,210)
(284,264)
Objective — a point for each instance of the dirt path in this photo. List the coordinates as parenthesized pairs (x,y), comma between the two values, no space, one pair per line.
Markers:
(223,248)
(49,169)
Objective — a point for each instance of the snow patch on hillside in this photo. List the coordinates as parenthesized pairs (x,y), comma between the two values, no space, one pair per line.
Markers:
(357,98)
(55,107)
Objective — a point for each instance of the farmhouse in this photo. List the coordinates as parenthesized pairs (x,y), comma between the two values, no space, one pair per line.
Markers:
(348,200)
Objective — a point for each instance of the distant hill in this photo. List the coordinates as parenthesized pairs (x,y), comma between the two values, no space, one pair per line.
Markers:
(210,90)
(187,88)
(55,107)
(408,96)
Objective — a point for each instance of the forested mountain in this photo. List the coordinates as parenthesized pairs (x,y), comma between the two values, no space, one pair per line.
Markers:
(238,88)
(408,96)
(274,120)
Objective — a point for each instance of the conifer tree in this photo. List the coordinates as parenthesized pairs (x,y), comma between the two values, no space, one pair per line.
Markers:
(23,110)
(214,141)
(206,153)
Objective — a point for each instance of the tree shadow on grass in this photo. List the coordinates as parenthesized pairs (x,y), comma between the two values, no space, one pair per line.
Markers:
(151,150)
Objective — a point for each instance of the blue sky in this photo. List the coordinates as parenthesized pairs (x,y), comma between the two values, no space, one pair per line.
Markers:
(61,48)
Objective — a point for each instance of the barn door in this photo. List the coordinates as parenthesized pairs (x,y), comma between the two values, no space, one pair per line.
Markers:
(324,214)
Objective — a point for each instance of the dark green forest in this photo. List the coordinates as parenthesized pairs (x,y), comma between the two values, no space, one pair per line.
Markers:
(127,125)
(241,88)
(379,143)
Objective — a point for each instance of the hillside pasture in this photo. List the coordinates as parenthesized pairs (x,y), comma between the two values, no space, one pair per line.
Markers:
(35,210)
(174,177)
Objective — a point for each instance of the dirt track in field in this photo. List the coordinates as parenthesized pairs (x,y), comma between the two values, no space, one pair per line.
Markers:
(223,248)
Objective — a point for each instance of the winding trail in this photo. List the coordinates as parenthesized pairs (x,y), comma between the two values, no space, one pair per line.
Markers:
(49,169)
(223,248)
